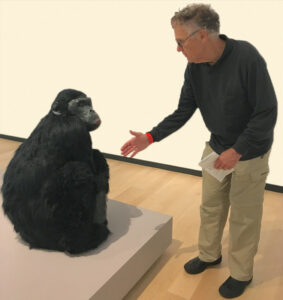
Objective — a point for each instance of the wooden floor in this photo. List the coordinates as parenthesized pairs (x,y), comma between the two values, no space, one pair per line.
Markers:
(179,195)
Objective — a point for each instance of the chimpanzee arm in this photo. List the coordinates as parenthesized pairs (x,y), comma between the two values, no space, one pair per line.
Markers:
(101,170)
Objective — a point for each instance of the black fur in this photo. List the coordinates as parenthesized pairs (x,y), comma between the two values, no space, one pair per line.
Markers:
(52,184)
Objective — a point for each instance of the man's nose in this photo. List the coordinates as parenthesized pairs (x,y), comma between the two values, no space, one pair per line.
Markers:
(179,48)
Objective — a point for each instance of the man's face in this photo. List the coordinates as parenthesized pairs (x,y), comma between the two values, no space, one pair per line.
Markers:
(190,42)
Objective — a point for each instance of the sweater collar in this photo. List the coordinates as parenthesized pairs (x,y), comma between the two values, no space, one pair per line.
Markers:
(227,49)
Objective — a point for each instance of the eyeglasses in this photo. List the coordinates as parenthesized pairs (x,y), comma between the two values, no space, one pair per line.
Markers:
(181,43)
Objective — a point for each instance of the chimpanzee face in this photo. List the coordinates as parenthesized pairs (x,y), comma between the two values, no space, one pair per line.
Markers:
(82,107)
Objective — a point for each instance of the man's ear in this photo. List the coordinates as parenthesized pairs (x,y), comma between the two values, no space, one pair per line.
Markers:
(203,34)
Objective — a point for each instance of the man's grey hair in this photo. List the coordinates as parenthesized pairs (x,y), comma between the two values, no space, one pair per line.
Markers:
(201,15)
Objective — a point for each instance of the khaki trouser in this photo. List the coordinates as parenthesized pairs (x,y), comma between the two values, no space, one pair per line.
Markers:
(243,190)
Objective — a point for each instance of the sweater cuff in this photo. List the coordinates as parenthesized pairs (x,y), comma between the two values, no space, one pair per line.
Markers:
(240,147)
(149,137)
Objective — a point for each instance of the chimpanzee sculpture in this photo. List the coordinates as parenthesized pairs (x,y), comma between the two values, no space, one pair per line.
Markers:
(54,189)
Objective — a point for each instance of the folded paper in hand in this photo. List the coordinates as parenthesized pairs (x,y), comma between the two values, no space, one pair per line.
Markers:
(208,165)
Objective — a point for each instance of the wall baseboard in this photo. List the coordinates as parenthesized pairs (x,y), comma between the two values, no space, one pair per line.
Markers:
(153,164)
(12,138)
(269,187)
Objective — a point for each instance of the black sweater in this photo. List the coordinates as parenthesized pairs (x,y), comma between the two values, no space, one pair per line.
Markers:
(235,97)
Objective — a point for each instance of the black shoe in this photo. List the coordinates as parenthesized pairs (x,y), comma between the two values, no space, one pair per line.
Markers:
(195,265)
(232,288)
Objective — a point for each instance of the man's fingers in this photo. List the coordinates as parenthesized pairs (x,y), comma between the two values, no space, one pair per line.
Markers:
(125,147)
(219,165)
(127,152)
(134,133)
(129,143)
(216,164)
(130,148)
(135,152)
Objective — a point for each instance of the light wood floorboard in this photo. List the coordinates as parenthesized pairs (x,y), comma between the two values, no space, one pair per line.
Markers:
(179,195)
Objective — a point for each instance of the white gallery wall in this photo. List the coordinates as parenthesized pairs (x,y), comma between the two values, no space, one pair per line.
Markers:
(122,54)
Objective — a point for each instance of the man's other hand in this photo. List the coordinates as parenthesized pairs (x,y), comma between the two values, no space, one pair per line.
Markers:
(227,159)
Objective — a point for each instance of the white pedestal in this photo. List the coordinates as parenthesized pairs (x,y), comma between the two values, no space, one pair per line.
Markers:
(138,238)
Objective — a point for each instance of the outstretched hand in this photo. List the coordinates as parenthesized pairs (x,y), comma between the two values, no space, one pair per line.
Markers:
(136,144)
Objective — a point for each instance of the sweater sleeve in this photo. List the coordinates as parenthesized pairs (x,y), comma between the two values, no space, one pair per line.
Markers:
(261,96)
(180,116)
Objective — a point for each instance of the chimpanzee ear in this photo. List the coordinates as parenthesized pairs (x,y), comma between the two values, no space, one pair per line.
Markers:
(57,107)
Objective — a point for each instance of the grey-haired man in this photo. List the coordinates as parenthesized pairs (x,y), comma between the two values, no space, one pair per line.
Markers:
(227,80)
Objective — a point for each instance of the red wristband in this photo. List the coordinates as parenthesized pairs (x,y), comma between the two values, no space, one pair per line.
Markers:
(149,137)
